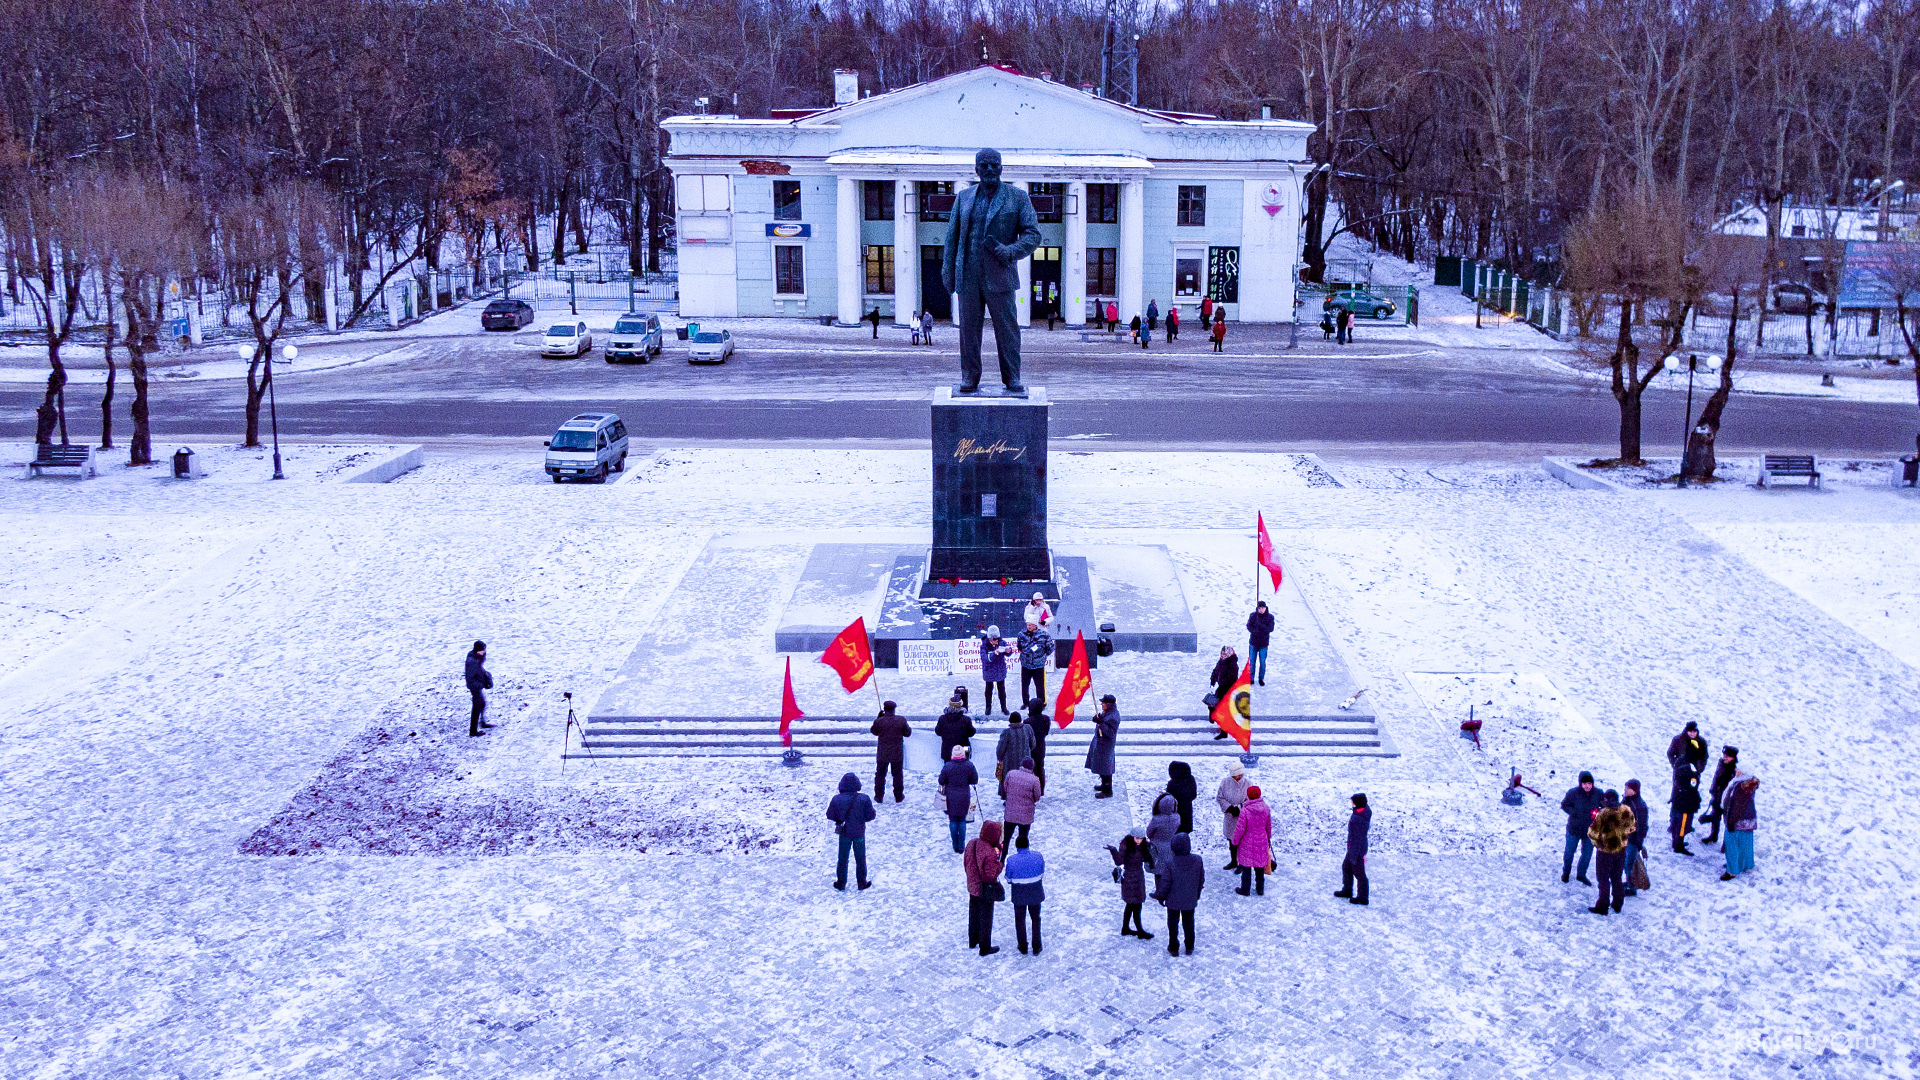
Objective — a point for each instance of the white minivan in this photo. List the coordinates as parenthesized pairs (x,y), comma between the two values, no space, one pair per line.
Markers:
(587,447)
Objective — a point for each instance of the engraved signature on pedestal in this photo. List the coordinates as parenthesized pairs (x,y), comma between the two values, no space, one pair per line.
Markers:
(969,449)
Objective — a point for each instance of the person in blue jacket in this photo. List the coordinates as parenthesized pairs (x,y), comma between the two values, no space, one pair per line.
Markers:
(850,811)
(1025,868)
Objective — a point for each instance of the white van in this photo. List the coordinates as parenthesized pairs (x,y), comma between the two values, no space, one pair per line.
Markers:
(587,447)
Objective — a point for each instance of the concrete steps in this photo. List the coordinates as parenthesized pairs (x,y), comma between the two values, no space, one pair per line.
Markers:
(1147,737)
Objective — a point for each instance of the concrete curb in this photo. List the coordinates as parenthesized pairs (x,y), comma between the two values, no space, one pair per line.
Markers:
(406,460)
(1572,475)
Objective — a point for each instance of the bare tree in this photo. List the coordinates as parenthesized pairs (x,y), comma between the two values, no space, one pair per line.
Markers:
(149,237)
(266,242)
(1894,269)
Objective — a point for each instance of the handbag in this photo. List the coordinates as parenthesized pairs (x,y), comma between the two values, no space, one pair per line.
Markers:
(973,805)
(1211,700)
(992,891)
(1637,873)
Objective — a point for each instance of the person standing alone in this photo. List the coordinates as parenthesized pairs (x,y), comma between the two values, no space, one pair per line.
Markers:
(478,681)
(1259,632)
(1106,736)
(891,753)
(1220,332)
(850,811)
(1353,869)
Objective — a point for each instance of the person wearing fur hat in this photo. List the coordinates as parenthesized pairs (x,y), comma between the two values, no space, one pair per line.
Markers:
(1253,843)
(1179,889)
(1609,833)
(1229,796)
(1027,891)
(993,669)
(893,733)
(957,778)
(955,728)
(1353,868)
(1161,829)
(850,811)
(1637,839)
(1717,792)
(1741,818)
(1023,791)
(1106,736)
(982,862)
(1132,858)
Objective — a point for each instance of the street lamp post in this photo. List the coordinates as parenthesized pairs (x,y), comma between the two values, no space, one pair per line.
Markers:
(289,351)
(1694,363)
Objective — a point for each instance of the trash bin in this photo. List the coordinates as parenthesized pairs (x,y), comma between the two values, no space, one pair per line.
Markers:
(1105,645)
(826,320)
(1910,471)
(183,464)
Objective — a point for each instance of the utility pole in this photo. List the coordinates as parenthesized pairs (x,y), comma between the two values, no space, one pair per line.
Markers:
(1120,53)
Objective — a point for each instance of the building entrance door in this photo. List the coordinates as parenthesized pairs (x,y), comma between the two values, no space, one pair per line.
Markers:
(1045,297)
(933,292)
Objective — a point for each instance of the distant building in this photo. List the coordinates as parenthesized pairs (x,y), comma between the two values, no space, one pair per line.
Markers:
(841,210)
(1801,222)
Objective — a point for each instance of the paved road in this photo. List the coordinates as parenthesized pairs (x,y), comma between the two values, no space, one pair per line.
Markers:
(844,387)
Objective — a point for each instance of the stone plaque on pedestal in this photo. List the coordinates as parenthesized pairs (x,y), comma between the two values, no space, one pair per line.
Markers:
(990,487)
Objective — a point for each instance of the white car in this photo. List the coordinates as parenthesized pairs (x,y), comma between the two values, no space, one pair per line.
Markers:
(710,347)
(567,339)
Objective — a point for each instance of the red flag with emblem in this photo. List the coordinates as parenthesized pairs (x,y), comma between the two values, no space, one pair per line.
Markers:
(850,656)
(1074,688)
(1234,713)
(789,708)
(1267,557)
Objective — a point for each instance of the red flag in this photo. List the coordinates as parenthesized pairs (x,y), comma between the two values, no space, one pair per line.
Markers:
(1079,677)
(789,708)
(1234,713)
(850,655)
(1267,558)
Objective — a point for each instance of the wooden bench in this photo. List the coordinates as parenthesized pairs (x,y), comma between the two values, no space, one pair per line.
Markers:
(62,457)
(1794,466)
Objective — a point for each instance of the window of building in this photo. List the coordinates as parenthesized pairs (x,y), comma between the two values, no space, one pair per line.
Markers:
(1193,205)
(786,200)
(879,269)
(1103,271)
(1186,274)
(1050,201)
(878,197)
(1103,204)
(1799,230)
(790,269)
(936,200)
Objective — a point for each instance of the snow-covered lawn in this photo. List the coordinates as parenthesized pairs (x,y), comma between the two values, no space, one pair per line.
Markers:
(189,674)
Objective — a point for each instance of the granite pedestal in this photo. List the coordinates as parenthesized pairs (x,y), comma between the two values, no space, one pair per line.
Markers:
(989,488)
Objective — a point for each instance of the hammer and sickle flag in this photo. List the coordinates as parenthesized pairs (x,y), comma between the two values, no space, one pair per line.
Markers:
(1234,713)
(1073,689)
(850,656)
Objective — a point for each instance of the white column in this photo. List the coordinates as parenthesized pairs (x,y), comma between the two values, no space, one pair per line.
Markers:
(1023,300)
(906,252)
(332,298)
(846,251)
(1073,268)
(1132,255)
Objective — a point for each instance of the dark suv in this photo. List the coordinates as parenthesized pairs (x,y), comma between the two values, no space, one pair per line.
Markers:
(506,315)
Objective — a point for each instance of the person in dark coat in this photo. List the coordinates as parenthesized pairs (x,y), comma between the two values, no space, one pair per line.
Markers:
(1226,672)
(1139,331)
(1027,891)
(1173,323)
(1106,735)
(1683,802)
(1036,646)
(874,318)
(1038,722)
(955,728)
(1343,322)
(957,778)
(1580,803)
(1180,890)
(850,811)
(1161,829)
(1688,747)
(993,669)
(478,681)
(1181,785)
(1742,817)
(1015,746)
(1722,776)
(1153,315)
(1133,857)
(1259,631)
(1353,868)
(982,862)
(893,731)
(1609,832)
(1637,839)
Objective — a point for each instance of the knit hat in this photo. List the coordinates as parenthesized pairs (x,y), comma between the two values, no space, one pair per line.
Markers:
(1360,799)
(1692,726)
(959,753)
(1633,785)
(1586,777)
(1237,770)
(1139,832)
(1253,792)
(993,631)
(1039,596)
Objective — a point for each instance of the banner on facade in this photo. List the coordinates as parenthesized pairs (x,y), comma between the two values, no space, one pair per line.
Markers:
(788,229)
(926,657)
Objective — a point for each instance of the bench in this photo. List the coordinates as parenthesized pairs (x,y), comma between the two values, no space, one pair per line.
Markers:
(1122,334)
(62,457)
(1795,466)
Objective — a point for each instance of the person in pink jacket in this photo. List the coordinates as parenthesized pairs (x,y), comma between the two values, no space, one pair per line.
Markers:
(1023,790)
(1252,843)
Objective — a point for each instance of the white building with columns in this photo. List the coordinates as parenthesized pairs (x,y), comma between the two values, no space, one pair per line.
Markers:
(838,211)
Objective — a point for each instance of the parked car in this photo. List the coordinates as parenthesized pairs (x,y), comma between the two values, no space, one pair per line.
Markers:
(1794,299)
(710,347)
(1363,302)
(567,339)
(635,337)
(587,447)
(506,315)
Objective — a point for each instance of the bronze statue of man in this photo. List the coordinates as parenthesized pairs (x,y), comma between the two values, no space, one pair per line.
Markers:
(992,228)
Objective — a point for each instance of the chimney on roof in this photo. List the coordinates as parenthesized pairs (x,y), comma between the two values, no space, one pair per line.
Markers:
(846,86)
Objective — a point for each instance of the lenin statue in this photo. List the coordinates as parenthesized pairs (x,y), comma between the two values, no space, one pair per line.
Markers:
(993,227)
